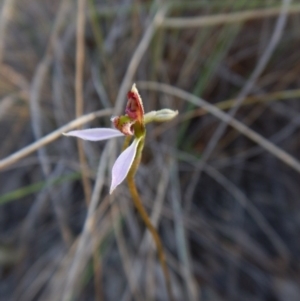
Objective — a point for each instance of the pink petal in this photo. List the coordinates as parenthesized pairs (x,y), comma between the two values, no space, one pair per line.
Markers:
(123,164)
(96,134)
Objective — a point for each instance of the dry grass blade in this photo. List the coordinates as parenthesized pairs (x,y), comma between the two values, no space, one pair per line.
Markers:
(220,19)
(6,14)
(257,216)
(80,56)
(260,66)
(264,143)
(126,260)
(181,238)
(79,261)
(26,151)
(37,116)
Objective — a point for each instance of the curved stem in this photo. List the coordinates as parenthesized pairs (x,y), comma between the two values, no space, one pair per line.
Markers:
(140,208)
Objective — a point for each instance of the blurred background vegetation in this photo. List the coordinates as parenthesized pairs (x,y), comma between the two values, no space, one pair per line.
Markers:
(223,194)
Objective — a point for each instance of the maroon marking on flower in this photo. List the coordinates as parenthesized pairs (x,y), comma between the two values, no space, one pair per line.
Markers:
(125,128)
(134,108)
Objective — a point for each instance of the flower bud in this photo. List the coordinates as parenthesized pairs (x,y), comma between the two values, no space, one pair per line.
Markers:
(160,116)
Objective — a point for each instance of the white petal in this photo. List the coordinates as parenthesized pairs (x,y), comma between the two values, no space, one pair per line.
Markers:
(123,164)
(96,134)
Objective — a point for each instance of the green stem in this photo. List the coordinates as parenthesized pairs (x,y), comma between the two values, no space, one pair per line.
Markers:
(140,208)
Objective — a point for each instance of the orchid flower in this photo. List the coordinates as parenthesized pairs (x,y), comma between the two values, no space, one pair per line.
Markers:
(130,124)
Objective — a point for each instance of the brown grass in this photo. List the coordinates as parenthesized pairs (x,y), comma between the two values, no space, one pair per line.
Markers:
(220,182)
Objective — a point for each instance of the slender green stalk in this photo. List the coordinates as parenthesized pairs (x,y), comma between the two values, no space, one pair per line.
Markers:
(140,208)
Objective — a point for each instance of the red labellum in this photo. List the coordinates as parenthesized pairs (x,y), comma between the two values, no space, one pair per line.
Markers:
(123,124)
(134,108)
